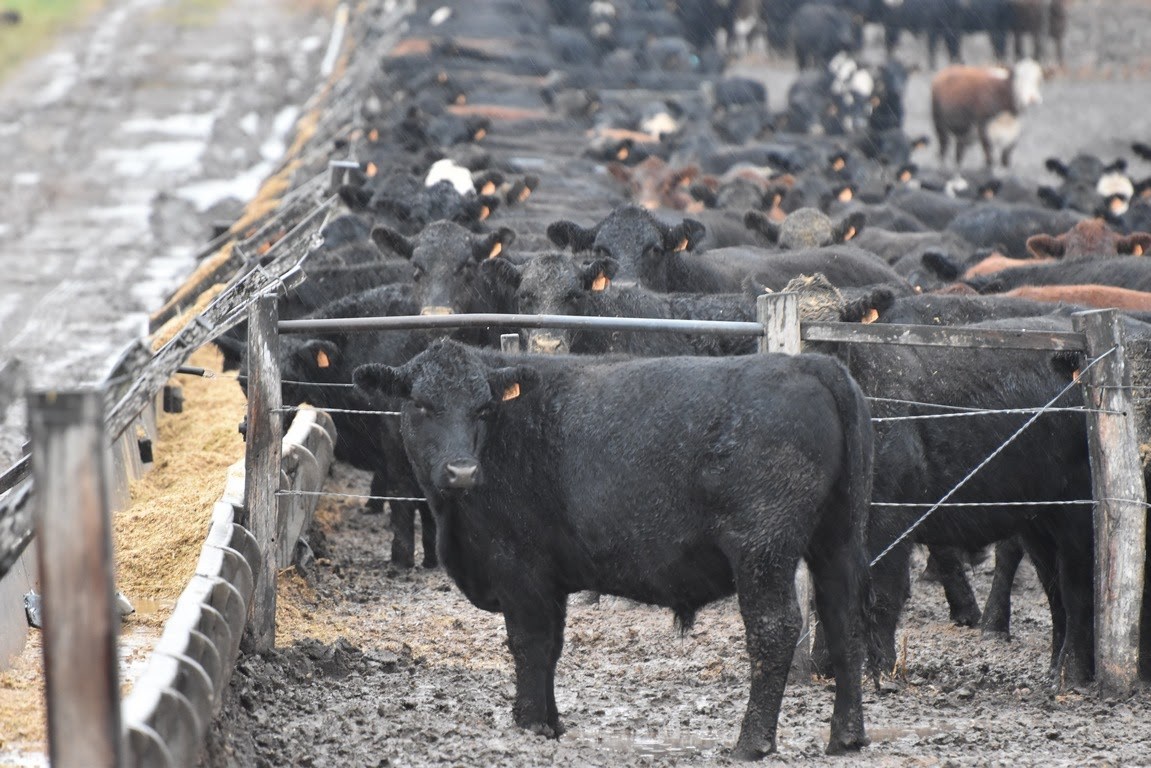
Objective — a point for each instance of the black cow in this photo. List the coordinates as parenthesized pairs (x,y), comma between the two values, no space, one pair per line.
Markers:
(556,284)
(1007,226)
(645,479)
(318,370)
(819,32)
(1132,272)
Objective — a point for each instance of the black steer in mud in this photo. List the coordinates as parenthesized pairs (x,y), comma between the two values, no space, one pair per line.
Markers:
(671,481)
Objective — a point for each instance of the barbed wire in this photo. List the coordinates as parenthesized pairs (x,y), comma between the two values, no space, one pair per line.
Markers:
(899,539)
(295,409)
(993,412)
(365,497)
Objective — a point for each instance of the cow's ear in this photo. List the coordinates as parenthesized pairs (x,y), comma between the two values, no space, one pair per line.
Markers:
(318,353)
(355,197)
(1050,197)
(482,207)
(920,142)
(568,234)
(941,265)
(684,236)
(703,193)
(868,305)
(1056,166)
(1141,149)
(598,273)
(389,240)
(1044,246)
(848,227)
(492,245)
(503,272)
(1135,244)
(757,222)
(1119,166)
(510,383)
(521,190)
(379,379)
(990,189)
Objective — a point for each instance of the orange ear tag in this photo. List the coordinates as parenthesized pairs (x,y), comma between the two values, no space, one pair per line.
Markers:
(462,99)
(849,234)
(682,245)
(485,212)
(480,134)
(525,194)
(1137,250)
(622,153)
(373,135)
(497,249)
(322,359)
(372,170)
(488,188)
(600,283)
(871,316)
(905,176)
(511,393)
(837,164)
(845,195)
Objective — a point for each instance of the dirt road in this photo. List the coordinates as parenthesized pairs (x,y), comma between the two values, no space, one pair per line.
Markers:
(147,123)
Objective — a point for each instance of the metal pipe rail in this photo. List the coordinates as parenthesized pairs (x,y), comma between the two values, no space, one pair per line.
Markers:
(485,320)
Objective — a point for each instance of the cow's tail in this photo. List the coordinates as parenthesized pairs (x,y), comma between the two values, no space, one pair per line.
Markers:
(859,469)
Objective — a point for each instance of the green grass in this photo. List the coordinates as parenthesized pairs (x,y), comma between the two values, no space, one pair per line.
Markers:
(42,19)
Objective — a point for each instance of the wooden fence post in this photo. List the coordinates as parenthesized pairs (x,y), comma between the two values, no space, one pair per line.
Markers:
(262,465)
(778,313)
(1120,503)
(72,472)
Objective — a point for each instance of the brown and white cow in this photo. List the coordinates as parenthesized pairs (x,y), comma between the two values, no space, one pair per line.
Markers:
(986,102)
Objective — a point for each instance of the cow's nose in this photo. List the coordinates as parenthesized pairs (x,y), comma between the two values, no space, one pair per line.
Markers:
(437,311)
(462,473)
(545,344)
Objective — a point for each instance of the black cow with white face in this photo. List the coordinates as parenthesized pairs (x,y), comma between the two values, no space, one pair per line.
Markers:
(646,479)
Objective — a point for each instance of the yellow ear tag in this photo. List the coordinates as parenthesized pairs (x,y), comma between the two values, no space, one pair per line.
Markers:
(373,135)
(849,234)
(497,249)
(600,283)
(485,212)
(682,245)
(488,188)
(322,359)
(871,316)
(524,195)
(512,392)
(622,153)
(1116,204)
(837,164)
(905,176)
(372,170)
(845,195)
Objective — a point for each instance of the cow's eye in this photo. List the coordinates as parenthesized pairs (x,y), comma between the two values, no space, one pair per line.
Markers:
(487,412)
(417,273)
(421,407)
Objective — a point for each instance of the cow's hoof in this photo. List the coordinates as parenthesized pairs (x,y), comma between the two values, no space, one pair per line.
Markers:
(542,729)
(747,753)
(966,618)
(403,560)
(431,562)
(843,745)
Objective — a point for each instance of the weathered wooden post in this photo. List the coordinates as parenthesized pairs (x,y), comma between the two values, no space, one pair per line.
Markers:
(262,465)
(72,474)
(778,313)
(1120,502)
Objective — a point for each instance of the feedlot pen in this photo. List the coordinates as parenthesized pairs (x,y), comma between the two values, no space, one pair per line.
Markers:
(376,666)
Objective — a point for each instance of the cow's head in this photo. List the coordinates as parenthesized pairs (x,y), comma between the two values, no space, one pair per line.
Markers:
(445,259)
(451,398)
(555,284)
(642,244)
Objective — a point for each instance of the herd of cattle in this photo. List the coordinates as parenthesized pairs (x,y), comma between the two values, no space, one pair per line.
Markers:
(591,158)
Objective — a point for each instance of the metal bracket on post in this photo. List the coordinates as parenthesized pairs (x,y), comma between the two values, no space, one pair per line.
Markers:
(1120,502)
(71,467)
(264,444)
(339,173)
(509,342)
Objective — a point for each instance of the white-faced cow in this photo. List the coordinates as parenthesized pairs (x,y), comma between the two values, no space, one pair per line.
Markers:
(986,102)
(671,481)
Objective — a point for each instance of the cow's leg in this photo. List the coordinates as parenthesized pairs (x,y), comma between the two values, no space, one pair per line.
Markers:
(535,637)
(766,589)
(840,576)
(985,142)
(1041,550)
(997,609)
(952,575)
(1076,578)
(892,585)
(379,487)
(428,536)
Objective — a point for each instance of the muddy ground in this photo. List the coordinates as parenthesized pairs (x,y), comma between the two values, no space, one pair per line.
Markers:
(381,667)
